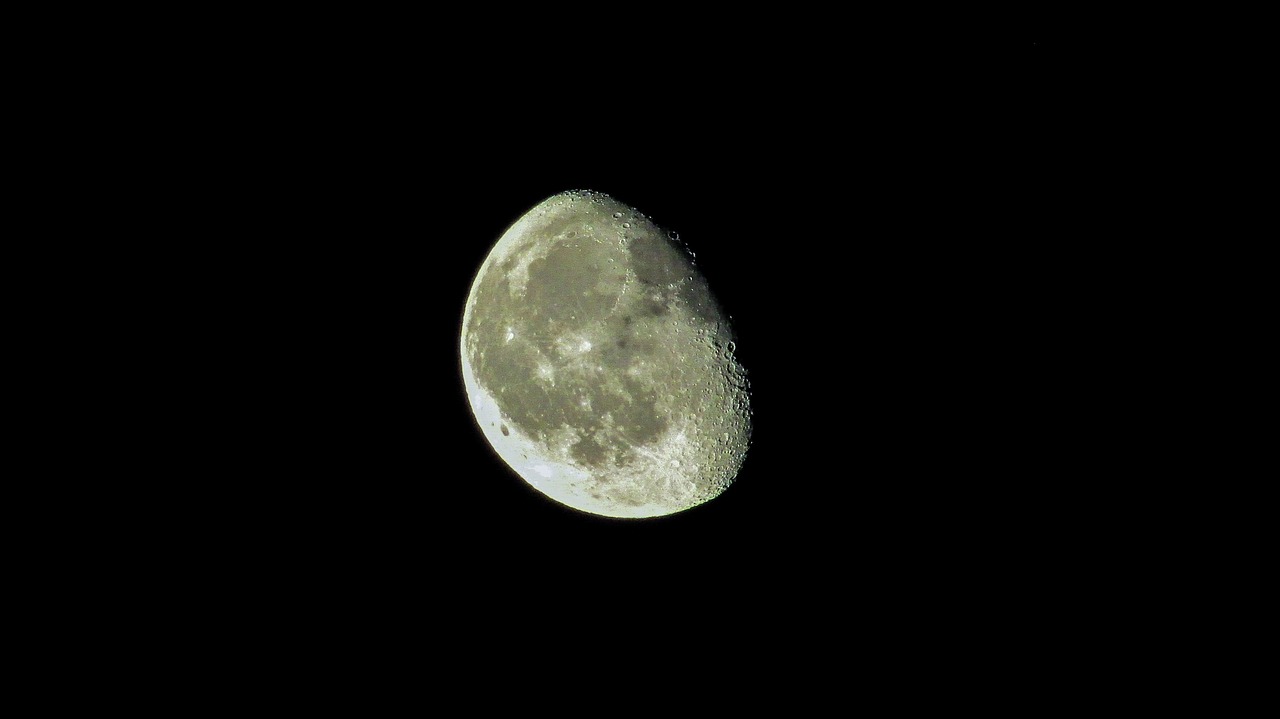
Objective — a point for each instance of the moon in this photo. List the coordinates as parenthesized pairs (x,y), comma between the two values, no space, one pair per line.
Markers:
(599,365)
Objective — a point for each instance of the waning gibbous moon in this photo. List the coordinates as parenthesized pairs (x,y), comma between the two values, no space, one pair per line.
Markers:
(598,364)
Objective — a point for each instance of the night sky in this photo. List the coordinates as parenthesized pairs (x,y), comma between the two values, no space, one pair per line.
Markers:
(883,229)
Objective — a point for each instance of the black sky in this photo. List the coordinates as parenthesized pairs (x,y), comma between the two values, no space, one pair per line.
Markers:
(874,224)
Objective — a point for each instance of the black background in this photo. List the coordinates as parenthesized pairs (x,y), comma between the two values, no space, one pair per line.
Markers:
(881,228)
(284,216)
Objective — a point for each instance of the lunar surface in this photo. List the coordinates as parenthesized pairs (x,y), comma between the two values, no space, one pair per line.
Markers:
(598,364)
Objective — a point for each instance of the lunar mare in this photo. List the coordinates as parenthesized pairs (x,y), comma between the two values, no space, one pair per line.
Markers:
(599,365)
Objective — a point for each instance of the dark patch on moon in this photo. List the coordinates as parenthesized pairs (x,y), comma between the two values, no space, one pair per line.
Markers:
(563,286)
(505,432)
(562,297)
(589,452)
(656,260)
(660,262)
